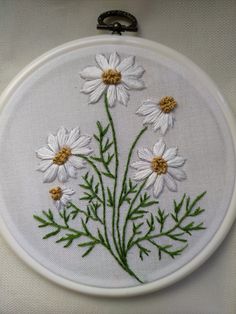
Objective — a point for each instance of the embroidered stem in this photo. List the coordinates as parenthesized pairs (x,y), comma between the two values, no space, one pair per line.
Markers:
(121,199)
(116,175)
(127,216)
(103,195)
(77,210)
(187,229)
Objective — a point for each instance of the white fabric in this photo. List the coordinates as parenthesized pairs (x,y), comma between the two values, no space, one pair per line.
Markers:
(193,287)
(52,98)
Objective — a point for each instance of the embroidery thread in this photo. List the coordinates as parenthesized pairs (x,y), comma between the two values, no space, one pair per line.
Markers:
(61,196)
(113,77)
(159,168)
(120,209)
(59,156)
(160,114)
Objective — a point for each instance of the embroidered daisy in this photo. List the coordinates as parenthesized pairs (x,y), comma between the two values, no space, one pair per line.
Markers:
(112,76)
(159,167)
(59,156)
(61,196)
(160,114)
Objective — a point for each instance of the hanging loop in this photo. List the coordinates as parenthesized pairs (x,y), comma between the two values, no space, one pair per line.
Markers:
(116,27)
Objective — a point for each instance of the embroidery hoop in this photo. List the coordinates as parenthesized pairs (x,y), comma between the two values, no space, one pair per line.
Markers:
(228,219)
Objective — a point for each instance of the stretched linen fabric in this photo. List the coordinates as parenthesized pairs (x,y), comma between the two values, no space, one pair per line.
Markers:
(52,97)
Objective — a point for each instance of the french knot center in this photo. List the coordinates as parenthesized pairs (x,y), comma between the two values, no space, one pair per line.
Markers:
(167,104)
(159,165)
(111,77)
(56,193)
(62,156)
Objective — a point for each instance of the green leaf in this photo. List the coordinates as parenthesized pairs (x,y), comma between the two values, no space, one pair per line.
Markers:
(110,198)
(177,207)
(104,132)
(109,175)
(101,237)
(143,250)
(51,234)
(96,137)
(88,251)
(96,158)
(148,204)
(197,199)
(40,220)
(87,244)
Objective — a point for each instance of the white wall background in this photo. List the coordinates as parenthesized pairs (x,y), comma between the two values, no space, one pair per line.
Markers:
(202,30)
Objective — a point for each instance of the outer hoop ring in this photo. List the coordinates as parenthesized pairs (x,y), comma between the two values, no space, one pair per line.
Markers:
(228,219)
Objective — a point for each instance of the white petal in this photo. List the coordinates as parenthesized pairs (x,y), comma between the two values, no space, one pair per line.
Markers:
(151,118)
(151,179)
(76,162)
(62,137)
(141,165)
(171,120)
(170,183)
(158,186)
(111,95)
(114,60)
(159,148)
(62,174)
(82,141)
(102,62)
(159,121)
(51,173)
(44,165)
(165,123)
(67,191)
(91,73)
(97,93)
(125,64)
(45,153)
(176,162)
(177,174)
(145,109)
(65,199)
(135,71)
(91,86)
(52,143)
(132,83)
(170,153)
(82,151)
(122,95)
(145,154)
(73,137)
(71,170)
(58,205)
(140,175)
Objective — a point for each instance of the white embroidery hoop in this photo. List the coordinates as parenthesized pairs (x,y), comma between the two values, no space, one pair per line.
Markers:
(230,214)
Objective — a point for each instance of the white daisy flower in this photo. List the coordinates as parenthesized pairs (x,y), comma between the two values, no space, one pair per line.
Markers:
(112,76)
(160,114)
(59,158)
(61,196)
(159,167)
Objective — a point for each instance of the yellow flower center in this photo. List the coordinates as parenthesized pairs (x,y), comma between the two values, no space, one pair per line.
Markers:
(167,104)
(111,77)
(56,193)
(62,156)
(159,165)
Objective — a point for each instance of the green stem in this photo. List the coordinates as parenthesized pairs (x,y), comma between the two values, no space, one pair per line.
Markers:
(123,183)
(118,249)
(78,210)
(103,160)
(103,195)
(161,234)
(127,216)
